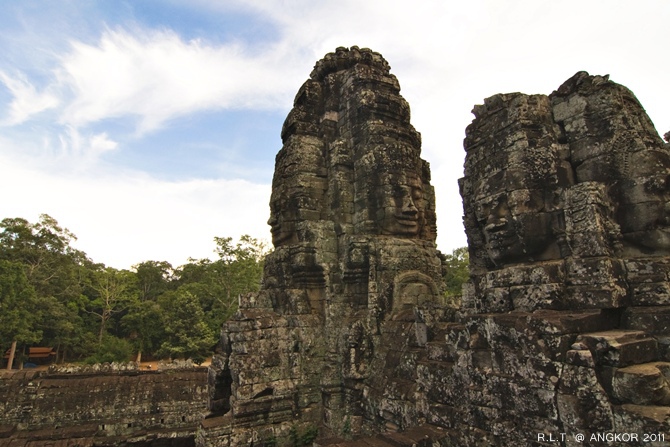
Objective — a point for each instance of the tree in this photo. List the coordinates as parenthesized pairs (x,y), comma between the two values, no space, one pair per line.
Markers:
(187,333)
(52,265)
(56,271)
(217,284)
(238,270)
(111,349)
(153,278)
(81,307)
(115,293)
(19,310)
(458,271)
(144,326)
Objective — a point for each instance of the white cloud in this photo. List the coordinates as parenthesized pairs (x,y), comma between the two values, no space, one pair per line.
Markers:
(27,100)
(83,149)
(156,76)
(122,218)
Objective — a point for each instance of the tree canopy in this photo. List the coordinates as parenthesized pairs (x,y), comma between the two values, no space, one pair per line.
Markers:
(52,294)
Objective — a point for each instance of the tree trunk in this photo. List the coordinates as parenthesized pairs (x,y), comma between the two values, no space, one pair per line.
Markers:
(12,351)
(102,329)
(23,357)
(139,357)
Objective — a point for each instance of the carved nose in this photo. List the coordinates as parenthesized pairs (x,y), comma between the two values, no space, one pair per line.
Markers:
(409,207)
(272,221)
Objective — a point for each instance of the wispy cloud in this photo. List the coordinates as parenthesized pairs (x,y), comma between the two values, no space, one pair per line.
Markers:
(27,101)
(155,76)
(145,77)
(83,149)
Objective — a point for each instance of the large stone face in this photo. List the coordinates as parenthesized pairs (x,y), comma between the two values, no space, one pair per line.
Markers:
(566,211)
(613,141)
(579,177)
(352,216)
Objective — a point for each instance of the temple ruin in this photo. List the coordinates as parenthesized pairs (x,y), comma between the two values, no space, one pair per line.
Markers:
(562,331)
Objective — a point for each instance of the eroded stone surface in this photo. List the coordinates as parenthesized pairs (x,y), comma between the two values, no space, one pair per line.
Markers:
(562,327)
(102,406)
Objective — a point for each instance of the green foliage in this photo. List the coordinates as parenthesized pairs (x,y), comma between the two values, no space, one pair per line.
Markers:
(153,279)
(293,436)
(458,271)
(347,426)
(143,325)
(19,308)
(111,349)
(113,292)
(187,333)
(53,295)
(308,436)
(56,272)
(52,266)
(217,284)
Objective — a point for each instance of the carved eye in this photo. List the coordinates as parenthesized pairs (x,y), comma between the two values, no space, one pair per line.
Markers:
(417,193)
(481,212)
(657,184)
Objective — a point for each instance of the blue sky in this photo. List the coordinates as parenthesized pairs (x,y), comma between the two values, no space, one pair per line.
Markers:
(149,127)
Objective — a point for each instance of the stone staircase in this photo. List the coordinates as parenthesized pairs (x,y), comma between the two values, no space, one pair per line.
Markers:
(628,364)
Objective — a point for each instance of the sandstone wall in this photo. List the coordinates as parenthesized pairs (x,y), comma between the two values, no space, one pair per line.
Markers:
(102,407)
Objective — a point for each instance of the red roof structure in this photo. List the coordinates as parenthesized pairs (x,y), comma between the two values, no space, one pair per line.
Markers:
(37,353)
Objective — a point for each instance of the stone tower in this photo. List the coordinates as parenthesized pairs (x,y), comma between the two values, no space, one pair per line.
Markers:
(353,224)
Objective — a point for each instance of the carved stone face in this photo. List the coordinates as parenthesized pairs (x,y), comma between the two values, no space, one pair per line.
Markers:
(403,210)
(295,200)
(644,214)
(282,221)
(513,228)
(413,288)
(288,206)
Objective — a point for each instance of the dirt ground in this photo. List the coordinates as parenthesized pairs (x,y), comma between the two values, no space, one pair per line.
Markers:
(153,365)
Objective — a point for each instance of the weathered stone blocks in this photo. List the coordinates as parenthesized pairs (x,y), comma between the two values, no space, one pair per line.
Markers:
(562,327)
